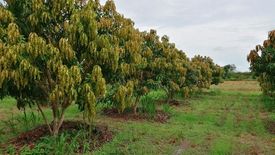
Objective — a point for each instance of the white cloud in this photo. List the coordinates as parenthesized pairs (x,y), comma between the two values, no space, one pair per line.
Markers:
(225,41)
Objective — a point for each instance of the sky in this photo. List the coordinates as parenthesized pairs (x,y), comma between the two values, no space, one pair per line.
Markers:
(225,30)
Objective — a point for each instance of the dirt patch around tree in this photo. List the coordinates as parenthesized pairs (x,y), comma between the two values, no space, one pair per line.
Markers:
(100,135)
(160,116)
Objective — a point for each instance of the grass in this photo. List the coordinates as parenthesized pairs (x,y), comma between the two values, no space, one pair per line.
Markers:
(227,119)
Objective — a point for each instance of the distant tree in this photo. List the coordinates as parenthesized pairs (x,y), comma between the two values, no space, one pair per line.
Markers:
(204,72)
(173,71)
(207,71)
(228,70)
(167,63)
(128,80)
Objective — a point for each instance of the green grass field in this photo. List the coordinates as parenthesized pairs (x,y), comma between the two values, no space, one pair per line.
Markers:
(227,119)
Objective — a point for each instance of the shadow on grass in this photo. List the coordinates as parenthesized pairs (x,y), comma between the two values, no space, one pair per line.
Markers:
(269,103)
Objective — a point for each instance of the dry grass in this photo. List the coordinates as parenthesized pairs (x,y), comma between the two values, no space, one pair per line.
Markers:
(239,86)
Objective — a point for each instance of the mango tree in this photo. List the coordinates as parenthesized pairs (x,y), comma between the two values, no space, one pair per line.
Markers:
(43,48)
(167,63)
(262,64)
(128,80)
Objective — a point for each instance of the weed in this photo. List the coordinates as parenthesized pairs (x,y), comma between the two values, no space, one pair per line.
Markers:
(21,123)
(65,143)
(157,95)
(166,108)
(148,105)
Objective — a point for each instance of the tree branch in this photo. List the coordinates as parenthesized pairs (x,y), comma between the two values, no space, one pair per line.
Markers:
(61,119)
(44,117)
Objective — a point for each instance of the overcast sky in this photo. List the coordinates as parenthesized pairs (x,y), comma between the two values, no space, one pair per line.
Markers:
(225,30)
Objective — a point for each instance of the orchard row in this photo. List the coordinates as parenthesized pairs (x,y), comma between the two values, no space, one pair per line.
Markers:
(55,53)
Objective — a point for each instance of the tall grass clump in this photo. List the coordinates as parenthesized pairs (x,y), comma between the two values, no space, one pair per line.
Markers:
(148,105)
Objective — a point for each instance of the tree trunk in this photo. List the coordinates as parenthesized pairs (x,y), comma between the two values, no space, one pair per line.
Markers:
(55,119)
(57,123)
(136,105)
(54,126)
(44,117)
(170,96)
